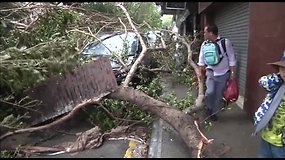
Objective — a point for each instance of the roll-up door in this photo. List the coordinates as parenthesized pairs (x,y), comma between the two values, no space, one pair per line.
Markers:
(232,21)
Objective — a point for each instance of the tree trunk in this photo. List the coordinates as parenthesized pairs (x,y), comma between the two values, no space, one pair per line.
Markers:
(181,122)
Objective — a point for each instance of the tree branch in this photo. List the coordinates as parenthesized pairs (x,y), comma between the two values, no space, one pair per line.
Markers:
(110,114)
(142,54)
(54,123)
(17,105)
(199,100)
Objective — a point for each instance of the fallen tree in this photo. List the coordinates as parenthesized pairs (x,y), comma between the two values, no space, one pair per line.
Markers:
(185,124)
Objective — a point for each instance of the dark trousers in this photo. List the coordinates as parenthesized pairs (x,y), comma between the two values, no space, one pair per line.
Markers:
(267,150)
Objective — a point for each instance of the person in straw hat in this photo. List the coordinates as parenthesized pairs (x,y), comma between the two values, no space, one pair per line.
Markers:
(269,119)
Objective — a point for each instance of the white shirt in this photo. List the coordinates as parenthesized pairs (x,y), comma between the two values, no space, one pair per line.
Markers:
(228,60)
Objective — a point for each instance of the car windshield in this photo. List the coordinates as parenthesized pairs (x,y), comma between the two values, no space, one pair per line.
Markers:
(117,44)
(123,45)
(152,37)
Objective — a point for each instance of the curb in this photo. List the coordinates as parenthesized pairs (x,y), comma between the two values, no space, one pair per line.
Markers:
(155,140)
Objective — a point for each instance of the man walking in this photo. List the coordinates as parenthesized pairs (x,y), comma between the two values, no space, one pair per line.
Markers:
(217,74)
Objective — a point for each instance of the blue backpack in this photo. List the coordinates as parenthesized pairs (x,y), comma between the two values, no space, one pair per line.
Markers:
(212,53)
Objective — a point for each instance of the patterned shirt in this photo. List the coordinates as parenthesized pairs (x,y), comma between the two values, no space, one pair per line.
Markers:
(271,84)
(272,133)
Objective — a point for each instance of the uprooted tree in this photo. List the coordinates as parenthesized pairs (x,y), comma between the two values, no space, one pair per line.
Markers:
(185,124)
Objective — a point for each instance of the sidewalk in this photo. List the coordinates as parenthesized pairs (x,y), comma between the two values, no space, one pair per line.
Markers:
(233,129)
(166,143)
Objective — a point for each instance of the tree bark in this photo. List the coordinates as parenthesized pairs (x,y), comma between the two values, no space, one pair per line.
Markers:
(181,122)
(199,100)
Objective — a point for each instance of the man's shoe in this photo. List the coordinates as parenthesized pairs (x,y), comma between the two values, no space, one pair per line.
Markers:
(214,118)
(208,112)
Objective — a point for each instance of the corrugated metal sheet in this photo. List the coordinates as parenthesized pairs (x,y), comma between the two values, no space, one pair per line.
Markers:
(233,20)
(61,94)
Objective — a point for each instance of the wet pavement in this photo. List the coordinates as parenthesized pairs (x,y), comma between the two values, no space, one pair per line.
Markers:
(233,129)
(166,142)
(110,149)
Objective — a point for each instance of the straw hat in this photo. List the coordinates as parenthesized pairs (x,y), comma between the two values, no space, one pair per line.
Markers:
(280,63)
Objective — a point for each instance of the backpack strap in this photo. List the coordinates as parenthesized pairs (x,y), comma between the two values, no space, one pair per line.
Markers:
(223,41)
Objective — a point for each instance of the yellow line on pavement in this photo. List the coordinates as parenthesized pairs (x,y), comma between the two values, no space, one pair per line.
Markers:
(132,146)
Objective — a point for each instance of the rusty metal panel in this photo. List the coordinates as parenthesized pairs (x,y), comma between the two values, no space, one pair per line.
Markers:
(202,6)
(62,93)
(266,43)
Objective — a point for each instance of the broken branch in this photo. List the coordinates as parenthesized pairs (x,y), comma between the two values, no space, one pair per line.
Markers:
(142,54)
(57,122)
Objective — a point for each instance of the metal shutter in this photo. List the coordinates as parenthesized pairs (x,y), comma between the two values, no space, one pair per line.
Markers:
(232,21)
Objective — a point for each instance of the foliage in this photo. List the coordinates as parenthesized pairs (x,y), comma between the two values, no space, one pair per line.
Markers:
(53,23)
(180,103)
(25,68)
(52,45)
(139,11)
(154,88)
(10,120)
(195,47)
(145,11)
(187,78)
(166,21)
(104,7)
(174,59)
(29,58)
(123,109)
(9,154)
(39,54)
(166,60)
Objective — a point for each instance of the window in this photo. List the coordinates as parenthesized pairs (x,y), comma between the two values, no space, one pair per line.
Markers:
(176,5)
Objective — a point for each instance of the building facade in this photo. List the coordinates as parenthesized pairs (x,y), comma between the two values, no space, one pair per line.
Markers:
(257,31)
